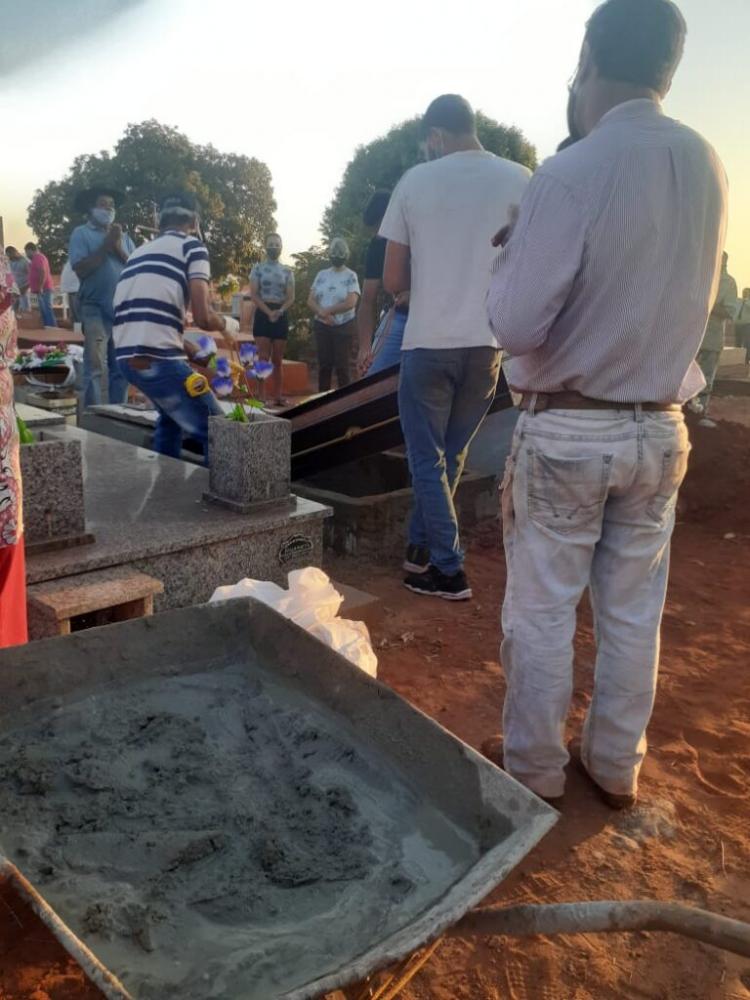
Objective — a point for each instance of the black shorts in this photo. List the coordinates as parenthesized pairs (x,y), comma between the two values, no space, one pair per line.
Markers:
(263,327)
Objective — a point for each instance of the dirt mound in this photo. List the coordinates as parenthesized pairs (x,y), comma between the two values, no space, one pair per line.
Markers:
(717,486)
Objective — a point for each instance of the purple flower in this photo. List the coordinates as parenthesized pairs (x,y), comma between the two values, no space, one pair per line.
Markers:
(248,353)
(223,368)
(262,369)
(206,346)
(222,385)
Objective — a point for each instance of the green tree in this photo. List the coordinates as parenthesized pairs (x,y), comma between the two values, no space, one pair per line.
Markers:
(382,162)
(307,263)
(150,160)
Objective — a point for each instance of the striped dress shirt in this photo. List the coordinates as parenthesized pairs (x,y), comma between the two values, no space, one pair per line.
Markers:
(607,282)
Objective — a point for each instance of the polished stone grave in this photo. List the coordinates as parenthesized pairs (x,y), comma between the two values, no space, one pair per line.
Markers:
(147,512)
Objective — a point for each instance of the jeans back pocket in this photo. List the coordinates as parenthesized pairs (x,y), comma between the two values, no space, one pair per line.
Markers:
(674,464)
(565,494)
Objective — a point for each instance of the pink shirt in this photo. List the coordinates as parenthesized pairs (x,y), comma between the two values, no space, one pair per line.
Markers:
(40,279)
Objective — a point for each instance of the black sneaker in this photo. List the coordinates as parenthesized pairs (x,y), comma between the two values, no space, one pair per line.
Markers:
(417,559)
(433,583)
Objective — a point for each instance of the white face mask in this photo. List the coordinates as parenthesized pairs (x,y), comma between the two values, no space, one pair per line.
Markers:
(103,216)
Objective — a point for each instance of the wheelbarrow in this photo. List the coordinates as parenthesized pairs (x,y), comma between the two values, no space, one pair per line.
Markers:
(415,828)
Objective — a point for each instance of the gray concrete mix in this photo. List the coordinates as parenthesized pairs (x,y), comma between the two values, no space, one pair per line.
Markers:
(189,827)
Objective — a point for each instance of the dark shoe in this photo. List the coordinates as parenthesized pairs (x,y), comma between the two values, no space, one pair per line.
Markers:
(417,559)
(433,583)
(612,799)
(492,749)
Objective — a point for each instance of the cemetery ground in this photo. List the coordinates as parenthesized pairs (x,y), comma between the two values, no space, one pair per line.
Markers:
(688,839)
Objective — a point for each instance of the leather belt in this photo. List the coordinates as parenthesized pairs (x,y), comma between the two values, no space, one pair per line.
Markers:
(537,402)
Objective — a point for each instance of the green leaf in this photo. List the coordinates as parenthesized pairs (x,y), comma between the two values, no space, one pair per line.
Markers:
(24,434)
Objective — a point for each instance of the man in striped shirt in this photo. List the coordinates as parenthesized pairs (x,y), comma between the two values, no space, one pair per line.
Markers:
(601,295)
(159,282)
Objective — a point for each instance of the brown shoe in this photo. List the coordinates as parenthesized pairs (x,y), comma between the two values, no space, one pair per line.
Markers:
(492,749)
(612,799)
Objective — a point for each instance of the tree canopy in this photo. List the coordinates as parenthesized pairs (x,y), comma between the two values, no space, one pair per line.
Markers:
(149,161)
(381,163)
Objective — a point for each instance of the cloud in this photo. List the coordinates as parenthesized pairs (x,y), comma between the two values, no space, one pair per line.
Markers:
(31,32)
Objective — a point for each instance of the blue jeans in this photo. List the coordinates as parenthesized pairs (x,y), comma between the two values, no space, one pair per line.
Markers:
(179,412)
(45,308)
(589,500)
(443,397)
(387,342)
(98,355)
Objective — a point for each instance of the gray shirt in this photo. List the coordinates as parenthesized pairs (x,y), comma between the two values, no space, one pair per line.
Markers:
(274,280)
(607,281)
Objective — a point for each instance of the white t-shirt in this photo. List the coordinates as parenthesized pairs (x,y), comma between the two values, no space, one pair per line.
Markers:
(69,280)
(332,287)
(447,212)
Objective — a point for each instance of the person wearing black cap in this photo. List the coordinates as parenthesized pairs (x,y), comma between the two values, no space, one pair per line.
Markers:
(439,227)
(98,251)
(160,281)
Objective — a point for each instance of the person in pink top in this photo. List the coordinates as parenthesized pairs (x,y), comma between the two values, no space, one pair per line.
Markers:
(40,283)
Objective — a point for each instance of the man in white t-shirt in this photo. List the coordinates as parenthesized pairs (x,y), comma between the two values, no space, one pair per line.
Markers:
(439,226)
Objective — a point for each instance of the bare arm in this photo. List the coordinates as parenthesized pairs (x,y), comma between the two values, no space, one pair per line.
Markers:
(257,300)
(366,314)
(349,303)
(204,315)
(112,244)
(397,271)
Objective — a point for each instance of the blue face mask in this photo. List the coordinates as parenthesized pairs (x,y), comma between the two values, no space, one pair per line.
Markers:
(103,216)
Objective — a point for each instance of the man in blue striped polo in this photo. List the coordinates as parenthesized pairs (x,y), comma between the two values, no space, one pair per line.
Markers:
(161,280)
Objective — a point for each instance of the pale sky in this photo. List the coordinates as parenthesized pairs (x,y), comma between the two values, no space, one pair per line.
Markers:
(300,84)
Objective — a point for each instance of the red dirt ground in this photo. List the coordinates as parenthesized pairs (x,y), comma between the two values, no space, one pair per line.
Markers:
(689,837)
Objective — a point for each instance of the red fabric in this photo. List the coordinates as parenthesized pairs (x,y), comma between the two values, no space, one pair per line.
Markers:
(13,629)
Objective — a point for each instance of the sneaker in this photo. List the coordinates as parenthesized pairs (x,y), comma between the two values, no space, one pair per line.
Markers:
(433,583)
(417,559)
(707,423)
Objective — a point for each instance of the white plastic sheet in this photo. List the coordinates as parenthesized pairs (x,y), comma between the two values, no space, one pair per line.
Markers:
(313,603)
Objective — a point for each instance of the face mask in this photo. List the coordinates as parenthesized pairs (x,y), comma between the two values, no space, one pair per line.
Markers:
(273,252)
(338,261)
(103,216)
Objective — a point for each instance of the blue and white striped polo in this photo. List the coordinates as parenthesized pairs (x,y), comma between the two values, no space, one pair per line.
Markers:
(153,294)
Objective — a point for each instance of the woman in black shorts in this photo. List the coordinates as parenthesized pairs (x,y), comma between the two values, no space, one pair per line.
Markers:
(272,291)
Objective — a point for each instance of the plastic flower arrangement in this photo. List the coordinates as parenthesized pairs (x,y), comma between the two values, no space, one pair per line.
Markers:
(43,356)
(234,377)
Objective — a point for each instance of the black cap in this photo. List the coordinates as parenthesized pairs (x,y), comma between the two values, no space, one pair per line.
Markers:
(452,113)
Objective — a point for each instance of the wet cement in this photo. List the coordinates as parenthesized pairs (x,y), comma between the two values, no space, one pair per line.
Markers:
(216,835)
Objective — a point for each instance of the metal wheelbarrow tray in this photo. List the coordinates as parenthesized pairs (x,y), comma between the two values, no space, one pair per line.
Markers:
(217,805)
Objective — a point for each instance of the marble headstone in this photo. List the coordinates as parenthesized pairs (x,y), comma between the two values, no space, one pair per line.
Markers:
(249,464)
(52,474)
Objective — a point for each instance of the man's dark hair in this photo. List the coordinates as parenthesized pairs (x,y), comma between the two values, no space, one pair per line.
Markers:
(269,235)
(30,246)
(375,208)
(177,209)
(10,250)
(451,112)
(637,41)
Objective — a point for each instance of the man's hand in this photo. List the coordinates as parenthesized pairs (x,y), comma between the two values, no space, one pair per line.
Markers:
(114,236)
(402,299)
(502,236)
(275,315)
(364,360)
(231,329)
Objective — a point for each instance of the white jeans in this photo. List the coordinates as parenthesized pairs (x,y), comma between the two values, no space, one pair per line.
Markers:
(588,501)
